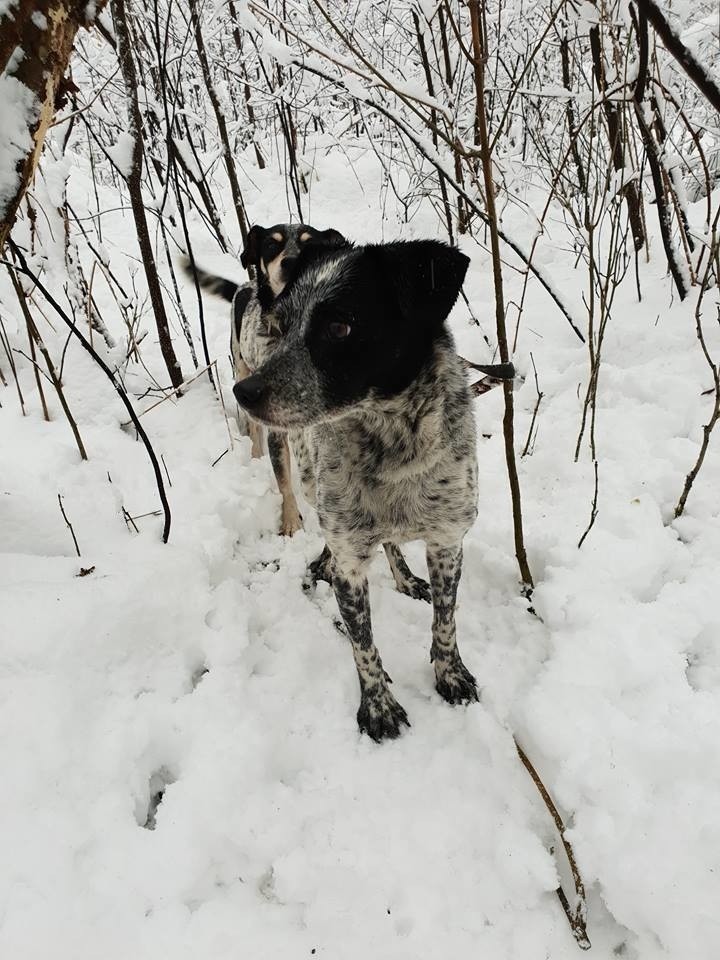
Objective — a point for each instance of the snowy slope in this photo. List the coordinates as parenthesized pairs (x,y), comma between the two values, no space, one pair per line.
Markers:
(200,667)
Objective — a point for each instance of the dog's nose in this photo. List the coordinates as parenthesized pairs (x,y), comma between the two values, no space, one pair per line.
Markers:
(288,266)
(250,391)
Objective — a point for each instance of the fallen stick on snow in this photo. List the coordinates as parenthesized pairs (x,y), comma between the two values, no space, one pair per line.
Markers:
(69,525)
(576,917)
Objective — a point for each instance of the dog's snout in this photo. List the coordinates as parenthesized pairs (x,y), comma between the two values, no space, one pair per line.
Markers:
(288,266)
(250,391)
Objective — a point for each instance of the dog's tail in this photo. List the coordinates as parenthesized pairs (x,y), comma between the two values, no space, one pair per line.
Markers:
(210,282)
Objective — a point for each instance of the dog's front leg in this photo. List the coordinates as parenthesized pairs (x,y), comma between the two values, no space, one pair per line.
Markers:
(379,715)
(279,451)
(255,431)
(453,680)
(405,580)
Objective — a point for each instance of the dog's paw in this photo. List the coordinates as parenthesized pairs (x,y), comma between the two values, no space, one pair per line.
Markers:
(415,587)
(456,684)
(380,715)
(290,523)
(319,569)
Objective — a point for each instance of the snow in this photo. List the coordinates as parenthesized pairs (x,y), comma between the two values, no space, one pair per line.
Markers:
(18,110)
(121,153)
(275,49)
(201,666)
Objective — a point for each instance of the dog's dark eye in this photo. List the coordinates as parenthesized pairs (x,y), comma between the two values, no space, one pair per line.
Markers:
(338,330)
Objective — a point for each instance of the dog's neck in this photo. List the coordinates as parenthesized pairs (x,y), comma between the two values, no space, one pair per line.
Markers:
(266,296)
(426,391)
(408,432)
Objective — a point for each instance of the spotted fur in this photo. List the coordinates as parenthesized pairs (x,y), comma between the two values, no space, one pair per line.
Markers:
(376,402)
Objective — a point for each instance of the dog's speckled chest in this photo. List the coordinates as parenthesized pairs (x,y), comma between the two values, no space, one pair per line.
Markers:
(399,469)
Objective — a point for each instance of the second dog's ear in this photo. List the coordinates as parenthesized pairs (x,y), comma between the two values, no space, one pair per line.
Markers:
(251,252)
(427,276)
(330,238)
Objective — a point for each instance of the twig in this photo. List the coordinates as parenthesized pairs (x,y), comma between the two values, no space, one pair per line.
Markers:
(36,368)
(134,185)
(654,161)
(167,472)
(129,520)
(69,525)
(170,395)
(55,378)
(715,370)
(108,373)
(508,419)
(540,395)
(222,403)
(672,42)
(8,353)
(432,156)
(616,142)
(577,918)
(228,157)
(593,509)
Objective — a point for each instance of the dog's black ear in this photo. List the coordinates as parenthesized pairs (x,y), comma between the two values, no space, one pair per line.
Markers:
(251,252)
(322,244)
(330,238)
(426,275)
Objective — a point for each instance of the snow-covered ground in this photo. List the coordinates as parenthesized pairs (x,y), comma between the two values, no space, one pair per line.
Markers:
(202,668)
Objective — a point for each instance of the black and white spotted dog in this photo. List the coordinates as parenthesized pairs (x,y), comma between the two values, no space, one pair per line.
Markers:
(273,253)
(375,399)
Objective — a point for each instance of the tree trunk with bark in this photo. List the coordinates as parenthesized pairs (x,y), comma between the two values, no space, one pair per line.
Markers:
(36,40)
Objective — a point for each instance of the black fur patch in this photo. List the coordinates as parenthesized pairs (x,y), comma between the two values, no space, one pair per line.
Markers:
(243,298)
(360,321)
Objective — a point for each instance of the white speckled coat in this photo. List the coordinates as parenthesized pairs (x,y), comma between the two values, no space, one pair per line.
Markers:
(382,427)
(396,469)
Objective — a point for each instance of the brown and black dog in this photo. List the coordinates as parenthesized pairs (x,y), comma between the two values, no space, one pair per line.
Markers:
(272,255)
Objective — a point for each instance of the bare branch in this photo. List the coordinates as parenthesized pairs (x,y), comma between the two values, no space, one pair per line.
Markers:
(23,268)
